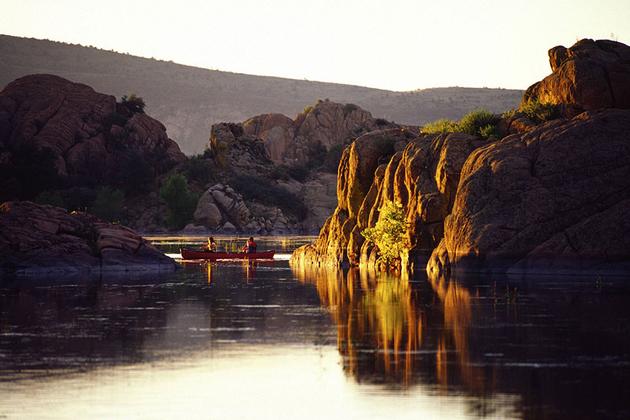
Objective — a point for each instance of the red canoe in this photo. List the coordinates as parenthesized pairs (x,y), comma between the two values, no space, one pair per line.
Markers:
(196,254)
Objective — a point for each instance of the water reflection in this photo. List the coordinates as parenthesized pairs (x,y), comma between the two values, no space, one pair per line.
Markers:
(555,345)
(386,326)
(77,324)
(367,345)
(209,272)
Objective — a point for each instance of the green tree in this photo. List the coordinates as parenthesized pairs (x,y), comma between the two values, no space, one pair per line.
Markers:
(388,234)
(181,202)
(198,168)
(108,204)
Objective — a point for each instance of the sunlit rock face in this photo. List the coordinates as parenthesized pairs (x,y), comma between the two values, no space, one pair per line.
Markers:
(37,239)
(548,197)
(421,173)
(89,134)
(276,130)
(589,75)
(355,176)
(324,125)
(556,198)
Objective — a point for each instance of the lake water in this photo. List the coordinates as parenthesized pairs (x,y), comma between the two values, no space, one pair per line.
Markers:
(232,340)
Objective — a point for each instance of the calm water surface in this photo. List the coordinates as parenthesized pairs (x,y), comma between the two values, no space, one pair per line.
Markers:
(231,340)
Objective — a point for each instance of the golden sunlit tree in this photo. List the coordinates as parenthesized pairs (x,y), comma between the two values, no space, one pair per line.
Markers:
(389,232)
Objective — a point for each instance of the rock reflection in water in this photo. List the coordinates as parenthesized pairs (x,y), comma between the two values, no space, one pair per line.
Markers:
(557,347)
(396,331)
(458,317)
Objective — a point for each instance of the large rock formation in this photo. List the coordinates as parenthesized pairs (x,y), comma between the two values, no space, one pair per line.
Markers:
(553,196)
(589,75)
(36,239)
(325,125)
(276,130)
(92,139)
(421,173)
(556,198)
(360,175)
(291,155)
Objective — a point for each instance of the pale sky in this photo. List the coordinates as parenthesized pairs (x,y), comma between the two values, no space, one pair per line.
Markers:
(388,44)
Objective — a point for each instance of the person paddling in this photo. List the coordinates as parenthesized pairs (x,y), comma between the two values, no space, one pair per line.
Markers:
(250,246)
(212,245)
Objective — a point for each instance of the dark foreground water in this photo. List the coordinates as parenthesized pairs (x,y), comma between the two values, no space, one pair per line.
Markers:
(233,340)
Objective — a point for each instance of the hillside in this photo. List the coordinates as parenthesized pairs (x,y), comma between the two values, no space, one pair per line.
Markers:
(188,100)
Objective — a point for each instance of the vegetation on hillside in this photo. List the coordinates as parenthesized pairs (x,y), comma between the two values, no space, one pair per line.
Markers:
(261,190)
(180,201)
(199,169)
(108,204)
(479,122)
(539,112)
(185,108)
(134,103)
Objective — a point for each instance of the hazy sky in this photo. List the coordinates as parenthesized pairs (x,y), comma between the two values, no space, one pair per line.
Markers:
(389,44)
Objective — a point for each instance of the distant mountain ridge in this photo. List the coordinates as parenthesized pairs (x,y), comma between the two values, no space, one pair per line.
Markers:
(188,100)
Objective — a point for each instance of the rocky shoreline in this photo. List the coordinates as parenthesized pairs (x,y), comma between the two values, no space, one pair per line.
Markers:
(41,240)
(549,195)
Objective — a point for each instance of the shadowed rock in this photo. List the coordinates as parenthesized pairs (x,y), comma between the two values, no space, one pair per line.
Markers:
(89,135)
(39,239)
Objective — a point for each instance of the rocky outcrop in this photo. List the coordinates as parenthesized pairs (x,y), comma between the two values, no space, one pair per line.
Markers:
(324,125)
(222,209)
(550,196)
(238,151)
(589,75)
(421,173)
(556,198)
(220,205)
(293,155)
(276,130)
(39,239)
(92,139)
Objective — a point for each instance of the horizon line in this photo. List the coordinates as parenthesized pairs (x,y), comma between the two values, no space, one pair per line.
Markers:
(170,61)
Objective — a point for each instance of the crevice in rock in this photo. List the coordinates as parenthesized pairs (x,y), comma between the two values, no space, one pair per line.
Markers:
(610,87)
(52,115)
(566,237)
